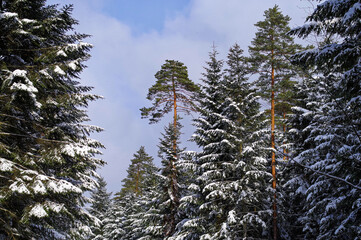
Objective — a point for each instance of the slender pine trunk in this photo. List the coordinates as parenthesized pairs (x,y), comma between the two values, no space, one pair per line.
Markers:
(273,145)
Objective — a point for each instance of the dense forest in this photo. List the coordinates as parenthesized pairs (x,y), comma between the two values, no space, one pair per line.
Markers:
(291,171)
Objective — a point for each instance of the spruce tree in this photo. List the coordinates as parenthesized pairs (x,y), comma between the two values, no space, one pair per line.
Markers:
(115,217)
(251,209)
(100,204)
(331,156)
(126,219)
(46,157)
(215,164)
(269,57)
(309,95)
(232,177)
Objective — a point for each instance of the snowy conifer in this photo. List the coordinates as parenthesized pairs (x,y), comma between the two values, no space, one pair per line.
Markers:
(126,219)
(331,153)
(250,216)
(100,204)
(47,159)
(162,216)
(230,162)
(114,219)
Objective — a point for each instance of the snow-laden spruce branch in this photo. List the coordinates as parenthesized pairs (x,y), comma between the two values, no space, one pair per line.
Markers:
(61,63)
(318,172)
(33,49)
(29,136)
(339,106)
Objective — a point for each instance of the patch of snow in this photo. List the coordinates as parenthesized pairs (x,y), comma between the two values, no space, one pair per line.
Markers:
(58,70)
(232,217)
(6,165)
(61,53)
(38,187)
(73,65)
(45,73)
(19,187)
(25,20)
(22,31)
(8,15)
(38,211)
(55,207)
(27,86)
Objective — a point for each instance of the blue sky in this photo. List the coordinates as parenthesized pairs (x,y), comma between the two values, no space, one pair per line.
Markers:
(144,15)
(133,38)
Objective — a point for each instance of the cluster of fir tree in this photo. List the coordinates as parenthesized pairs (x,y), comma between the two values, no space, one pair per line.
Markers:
(227,189)
(47,159)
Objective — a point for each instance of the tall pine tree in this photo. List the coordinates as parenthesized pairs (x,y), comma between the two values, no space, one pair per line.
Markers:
(269,57)
(173,90)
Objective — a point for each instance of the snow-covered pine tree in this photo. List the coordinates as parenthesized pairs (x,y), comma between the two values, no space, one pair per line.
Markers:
(46,157)
(100,204)
(310,96)
(231,192)
(137,193)
(332,153)
(269,58)
(216,166)
(188,228)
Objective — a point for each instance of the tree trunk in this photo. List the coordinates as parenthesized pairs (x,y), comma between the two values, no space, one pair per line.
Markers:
(273,163)
(285,152)
(174,183)
(137,181)
(175,157)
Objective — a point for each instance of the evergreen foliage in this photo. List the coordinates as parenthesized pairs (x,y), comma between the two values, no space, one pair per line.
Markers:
(269,58)
(140,174)
(331,153)
(100,205)
(251,210)
(126,219)
(222,191)
(163,215)
(232,177)
(173,90)
(114,219)
(47,159)
(271,49)
(215,164)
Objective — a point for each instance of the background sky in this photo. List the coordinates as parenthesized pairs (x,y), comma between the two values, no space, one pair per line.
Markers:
(133,38)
